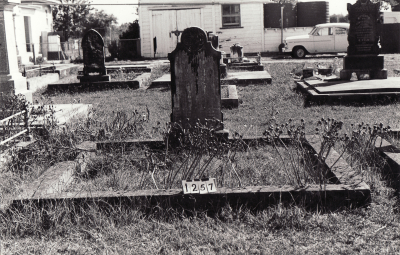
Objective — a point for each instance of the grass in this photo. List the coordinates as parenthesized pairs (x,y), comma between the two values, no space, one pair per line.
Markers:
(88,229)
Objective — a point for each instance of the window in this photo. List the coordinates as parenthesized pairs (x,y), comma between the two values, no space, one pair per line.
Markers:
(341,31)
(230,15)
(324,31)
(28,33)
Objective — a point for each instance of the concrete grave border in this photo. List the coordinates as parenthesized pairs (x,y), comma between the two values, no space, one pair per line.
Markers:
(348,191)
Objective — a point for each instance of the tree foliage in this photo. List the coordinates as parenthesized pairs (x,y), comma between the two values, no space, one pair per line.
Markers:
(100,21)
(70,18)
(126,47)
(132,31)
(339,18)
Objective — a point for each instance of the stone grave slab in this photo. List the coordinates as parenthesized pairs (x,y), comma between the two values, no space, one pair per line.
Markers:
(63,113)
(129,68)
(242,78)
(322,89)
(229,96)
(238,78)
(163,81)
(195,80)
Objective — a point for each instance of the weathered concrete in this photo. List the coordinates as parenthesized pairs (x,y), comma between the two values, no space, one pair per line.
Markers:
(246,78)
(93,86)
(317,89)
(36,83)
(238,78)
(53,180)
(63,113)
(163,81)
(229,96)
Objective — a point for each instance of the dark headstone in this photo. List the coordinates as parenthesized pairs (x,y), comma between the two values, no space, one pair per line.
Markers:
(362,53)
(195,80)
(93,53)
(363,35)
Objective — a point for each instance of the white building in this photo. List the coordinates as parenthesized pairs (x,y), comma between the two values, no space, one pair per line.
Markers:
(21,26)
(32,21)
(234,21)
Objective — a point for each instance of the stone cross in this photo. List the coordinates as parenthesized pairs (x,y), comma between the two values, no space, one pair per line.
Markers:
(195,79)
(93,53)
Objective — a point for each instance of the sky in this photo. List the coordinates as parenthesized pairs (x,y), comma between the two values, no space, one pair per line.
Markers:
(126,13)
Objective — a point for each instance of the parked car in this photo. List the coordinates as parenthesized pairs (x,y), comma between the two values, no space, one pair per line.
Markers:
(323,38)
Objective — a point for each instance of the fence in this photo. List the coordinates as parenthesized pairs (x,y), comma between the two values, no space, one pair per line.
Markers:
(13,126)
(72,49)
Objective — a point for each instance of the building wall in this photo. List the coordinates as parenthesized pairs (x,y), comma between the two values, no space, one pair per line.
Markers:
(251,35)
(40,21)
(272,36)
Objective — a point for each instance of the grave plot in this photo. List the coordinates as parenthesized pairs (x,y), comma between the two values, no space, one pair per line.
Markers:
(370,78)
(95,75)
(237,164)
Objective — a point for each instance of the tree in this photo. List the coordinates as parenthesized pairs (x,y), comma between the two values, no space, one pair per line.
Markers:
(339,18)
(127,46)
(100,21)
(70,18)
(132,32)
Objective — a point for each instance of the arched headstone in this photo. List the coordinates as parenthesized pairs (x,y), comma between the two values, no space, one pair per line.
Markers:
(195,79)
(93,53)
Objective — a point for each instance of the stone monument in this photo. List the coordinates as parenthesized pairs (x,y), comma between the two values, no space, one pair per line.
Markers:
(11,80)
(93,58)
(363,50)
(195,80)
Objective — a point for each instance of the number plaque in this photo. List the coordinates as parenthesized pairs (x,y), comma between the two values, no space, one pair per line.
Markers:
(197,186)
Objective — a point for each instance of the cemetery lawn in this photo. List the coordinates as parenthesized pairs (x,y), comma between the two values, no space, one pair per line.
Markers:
(277,230)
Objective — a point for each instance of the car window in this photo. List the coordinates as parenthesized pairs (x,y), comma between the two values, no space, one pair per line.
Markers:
(324,31)
(341,31)
(313,31)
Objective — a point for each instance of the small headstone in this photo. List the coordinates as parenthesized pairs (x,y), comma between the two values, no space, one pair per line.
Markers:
(362,52)
(93,57)
(195,80)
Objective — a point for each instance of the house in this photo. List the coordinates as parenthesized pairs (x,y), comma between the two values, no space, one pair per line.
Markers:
(234,21)
(21,25)
(32,21)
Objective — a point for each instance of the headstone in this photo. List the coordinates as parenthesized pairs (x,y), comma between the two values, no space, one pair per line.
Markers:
(195,80)
(93,57)
(362,52)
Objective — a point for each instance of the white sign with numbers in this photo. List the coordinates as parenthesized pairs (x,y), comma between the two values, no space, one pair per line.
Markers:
(202,186)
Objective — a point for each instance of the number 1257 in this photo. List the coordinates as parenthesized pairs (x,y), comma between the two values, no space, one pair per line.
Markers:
(199,186)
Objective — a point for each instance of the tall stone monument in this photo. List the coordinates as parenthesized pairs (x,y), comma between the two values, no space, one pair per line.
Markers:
(363,50)
(11,80)
(195,80)
(93,57)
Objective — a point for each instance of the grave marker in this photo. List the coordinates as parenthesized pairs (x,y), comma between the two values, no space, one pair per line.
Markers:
(93,57)
(195,80)
(362,52)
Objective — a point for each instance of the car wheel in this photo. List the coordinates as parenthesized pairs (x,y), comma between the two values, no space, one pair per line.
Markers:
(299,52)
